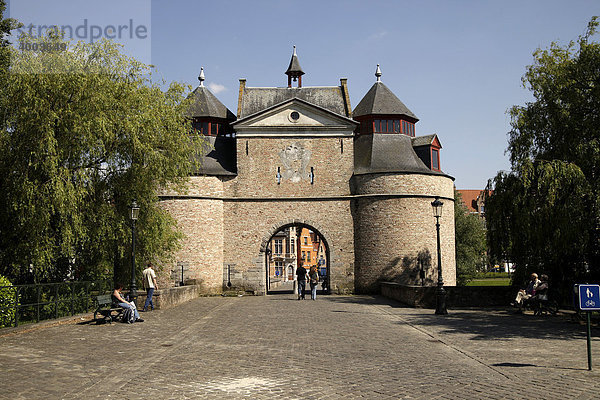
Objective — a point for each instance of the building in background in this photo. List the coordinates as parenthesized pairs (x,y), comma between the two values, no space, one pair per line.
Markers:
(474,200)
(282,259)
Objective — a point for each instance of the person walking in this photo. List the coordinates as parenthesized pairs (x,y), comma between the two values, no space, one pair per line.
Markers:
(301,274)
(313,275)
(149,279)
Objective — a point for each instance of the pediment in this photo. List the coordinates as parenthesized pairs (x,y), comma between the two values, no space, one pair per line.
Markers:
(295,116)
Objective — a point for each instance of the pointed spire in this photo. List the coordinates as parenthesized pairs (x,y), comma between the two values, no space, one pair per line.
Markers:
(201,77)
(294,71)
(378,73)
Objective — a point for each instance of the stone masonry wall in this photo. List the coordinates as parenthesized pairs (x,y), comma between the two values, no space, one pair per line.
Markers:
(394,235)
(249,225)
(374,237)
(332,160)
(201,221)
(264,205)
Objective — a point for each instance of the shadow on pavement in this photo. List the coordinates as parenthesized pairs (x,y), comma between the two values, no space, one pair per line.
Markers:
(519,365)
(365,299)
(481,323)
(507,364)
(485,324)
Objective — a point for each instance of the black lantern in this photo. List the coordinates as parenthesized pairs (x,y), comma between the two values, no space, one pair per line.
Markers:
(440,306)
(133,215)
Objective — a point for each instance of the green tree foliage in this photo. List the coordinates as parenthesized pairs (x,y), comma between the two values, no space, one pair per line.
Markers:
(6,26)
(83,133)
(470,238)
(544,215)
(7,302)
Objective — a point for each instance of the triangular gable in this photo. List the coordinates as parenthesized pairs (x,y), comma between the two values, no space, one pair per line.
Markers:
(427,140)
(298,116)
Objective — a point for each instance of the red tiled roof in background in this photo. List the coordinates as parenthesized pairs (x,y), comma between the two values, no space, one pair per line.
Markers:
(469,198)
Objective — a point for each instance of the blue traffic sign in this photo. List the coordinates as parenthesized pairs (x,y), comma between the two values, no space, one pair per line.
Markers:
(589,297)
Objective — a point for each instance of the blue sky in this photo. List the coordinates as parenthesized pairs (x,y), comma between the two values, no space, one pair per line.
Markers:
(456,64)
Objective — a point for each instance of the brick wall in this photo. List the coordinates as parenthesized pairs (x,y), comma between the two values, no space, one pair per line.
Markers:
(201,221)
(249,226)
(332,160)
(268,206)
(227,222)
(404,229)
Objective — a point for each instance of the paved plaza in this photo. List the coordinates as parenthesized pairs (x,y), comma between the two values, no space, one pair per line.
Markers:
(275,347)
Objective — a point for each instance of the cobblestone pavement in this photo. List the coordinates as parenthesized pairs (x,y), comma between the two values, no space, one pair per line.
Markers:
(275,347)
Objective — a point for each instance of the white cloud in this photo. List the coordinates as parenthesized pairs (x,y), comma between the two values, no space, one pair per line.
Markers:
(216,88)
(379,35)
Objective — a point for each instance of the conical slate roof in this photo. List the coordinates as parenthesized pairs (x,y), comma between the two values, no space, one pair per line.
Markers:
(294,69)
(381,100)
(207,105)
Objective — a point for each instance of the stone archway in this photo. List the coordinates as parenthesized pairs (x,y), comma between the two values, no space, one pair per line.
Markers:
(322,264)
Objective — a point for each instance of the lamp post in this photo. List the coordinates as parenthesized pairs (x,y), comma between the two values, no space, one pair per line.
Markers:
(134,214)
(440,306)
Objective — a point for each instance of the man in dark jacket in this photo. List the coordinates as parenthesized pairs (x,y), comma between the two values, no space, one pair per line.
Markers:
(301,274)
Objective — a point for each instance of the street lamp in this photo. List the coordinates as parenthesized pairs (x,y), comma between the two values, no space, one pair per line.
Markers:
(134,214)
(440,306)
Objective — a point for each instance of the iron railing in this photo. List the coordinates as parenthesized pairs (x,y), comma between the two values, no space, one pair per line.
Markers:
(37,302)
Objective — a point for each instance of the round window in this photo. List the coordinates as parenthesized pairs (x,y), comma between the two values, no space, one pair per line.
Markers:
(295,116)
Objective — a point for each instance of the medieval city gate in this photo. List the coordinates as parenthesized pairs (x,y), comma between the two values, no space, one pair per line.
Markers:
(294,155)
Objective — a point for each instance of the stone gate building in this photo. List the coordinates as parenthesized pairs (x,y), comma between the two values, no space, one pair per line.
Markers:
(302,156)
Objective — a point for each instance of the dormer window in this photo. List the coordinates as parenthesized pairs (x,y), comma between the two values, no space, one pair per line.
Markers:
(435,159)
(427,149)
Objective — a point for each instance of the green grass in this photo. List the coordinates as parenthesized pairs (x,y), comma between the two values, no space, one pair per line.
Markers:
(490,282)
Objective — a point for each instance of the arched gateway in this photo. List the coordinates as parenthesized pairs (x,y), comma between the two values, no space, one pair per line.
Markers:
(300,156)
(295,242)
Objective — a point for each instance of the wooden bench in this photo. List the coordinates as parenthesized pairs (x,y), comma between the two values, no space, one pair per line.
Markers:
(105,309)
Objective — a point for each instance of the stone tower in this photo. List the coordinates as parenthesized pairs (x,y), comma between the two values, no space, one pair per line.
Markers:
(394,233)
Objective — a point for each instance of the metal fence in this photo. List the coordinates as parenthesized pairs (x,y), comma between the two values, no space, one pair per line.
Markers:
(38,302)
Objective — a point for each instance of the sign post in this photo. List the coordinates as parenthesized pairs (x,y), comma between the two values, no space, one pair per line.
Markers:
(589,300)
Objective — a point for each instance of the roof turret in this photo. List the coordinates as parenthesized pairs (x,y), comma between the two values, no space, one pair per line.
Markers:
(205,103)
(294,70)
(380,100)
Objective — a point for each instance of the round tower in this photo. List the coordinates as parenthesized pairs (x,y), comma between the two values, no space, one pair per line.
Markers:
(199,212)
(395,180)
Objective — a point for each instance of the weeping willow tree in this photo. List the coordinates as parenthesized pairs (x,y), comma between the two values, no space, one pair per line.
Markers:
(85,131)
(544,215)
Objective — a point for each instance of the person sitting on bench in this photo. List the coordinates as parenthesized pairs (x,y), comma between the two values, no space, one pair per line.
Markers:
(528,292)
(118,299)
(541,292)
